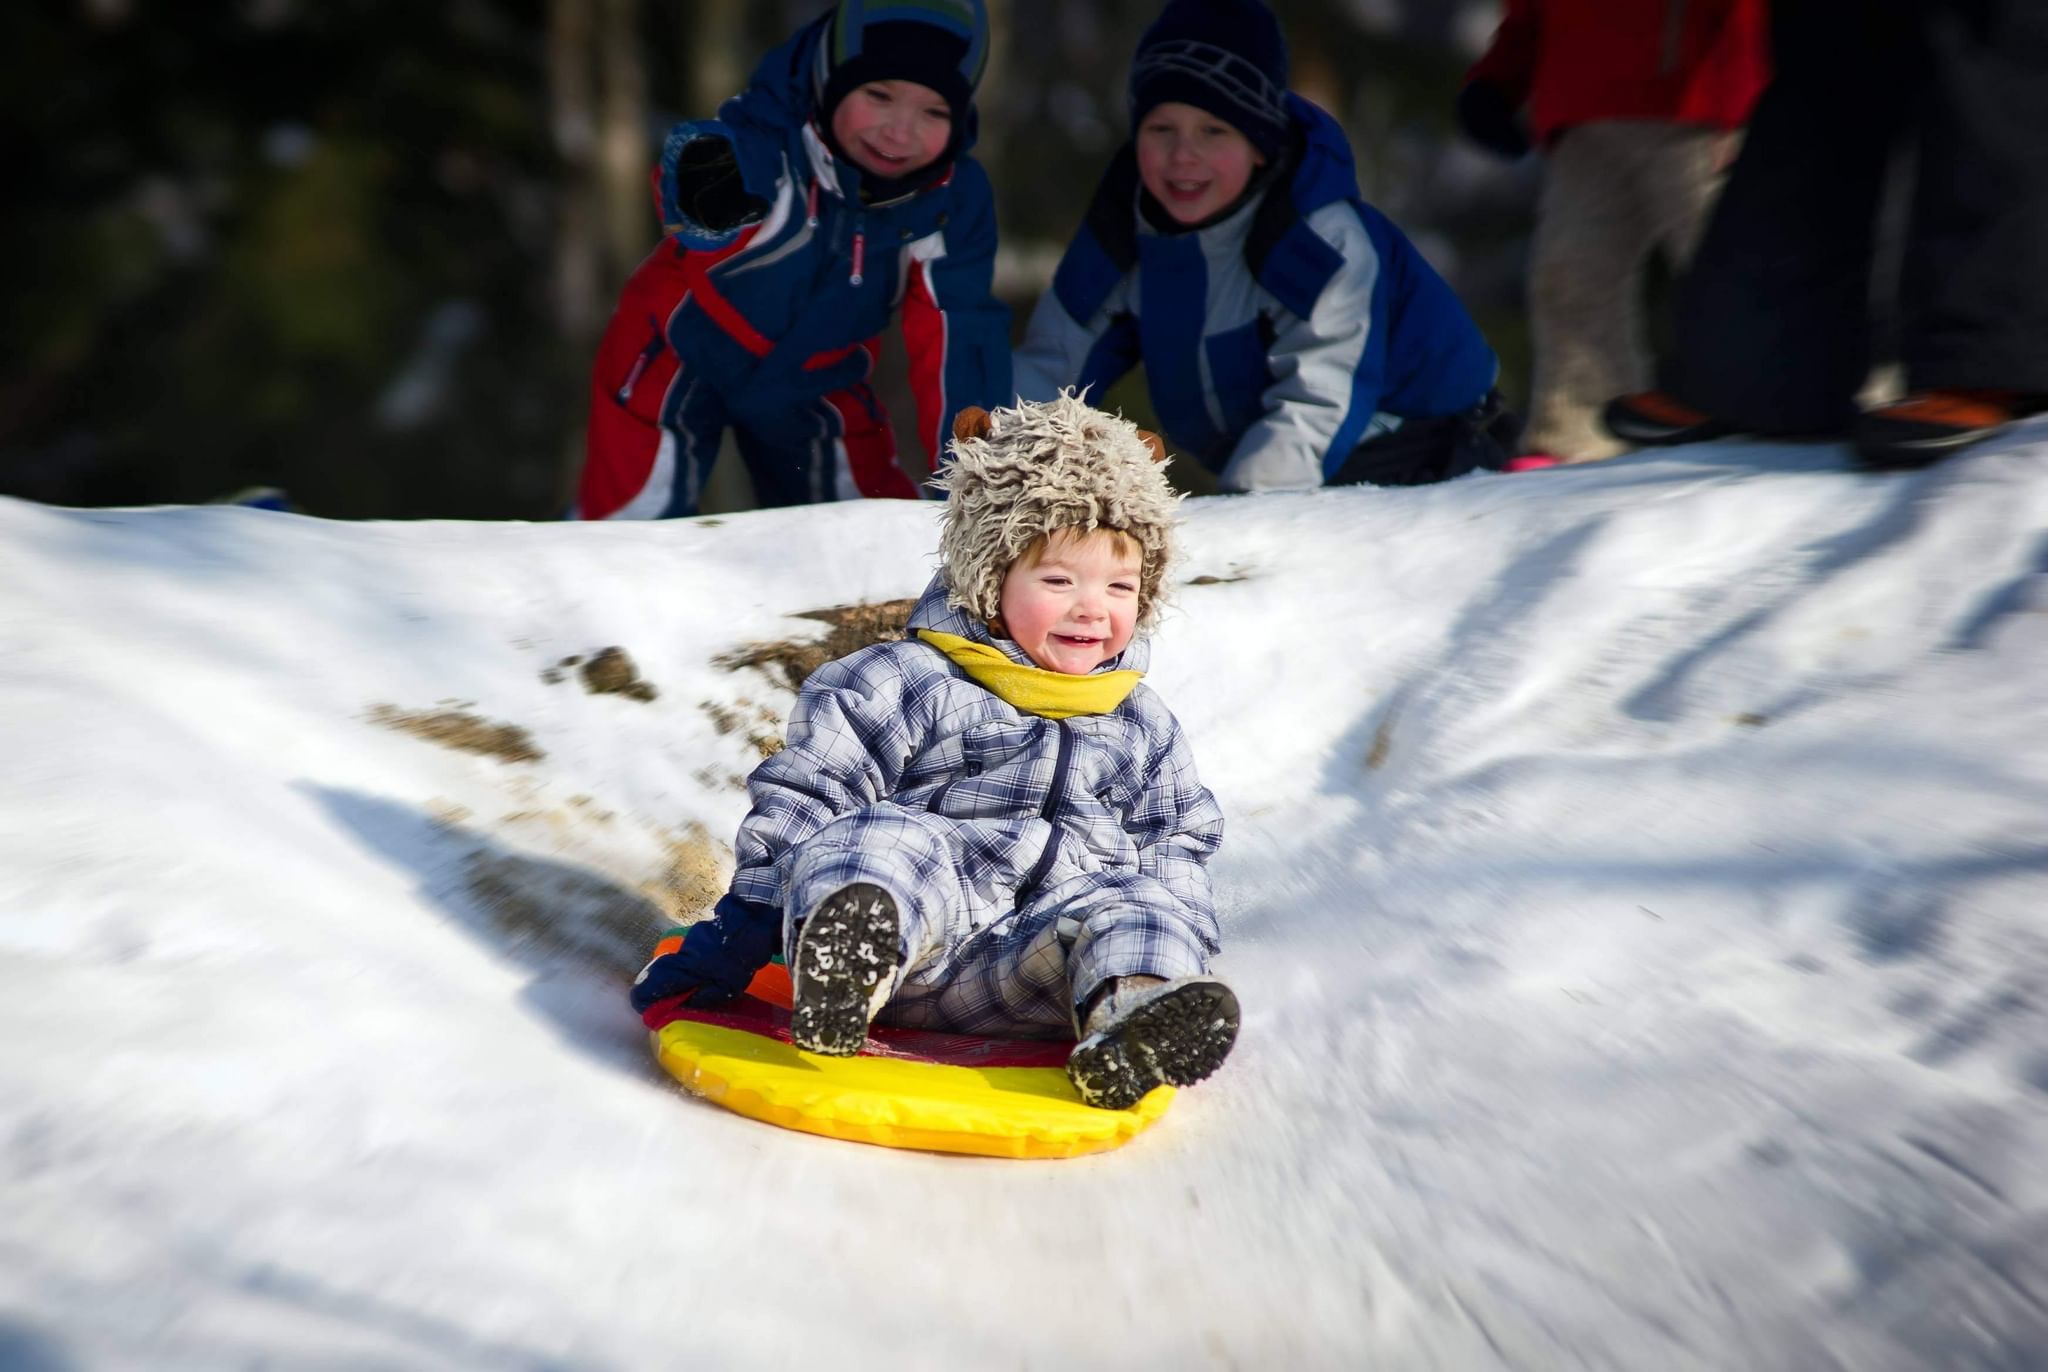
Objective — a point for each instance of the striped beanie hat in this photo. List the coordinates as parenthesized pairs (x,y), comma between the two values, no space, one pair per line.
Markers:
(1227,57)
(942,44)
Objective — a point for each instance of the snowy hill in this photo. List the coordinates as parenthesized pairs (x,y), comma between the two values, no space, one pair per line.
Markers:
(1637,885)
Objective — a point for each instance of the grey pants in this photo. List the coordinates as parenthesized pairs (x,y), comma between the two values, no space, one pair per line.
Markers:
(1613,193)
(1022,971)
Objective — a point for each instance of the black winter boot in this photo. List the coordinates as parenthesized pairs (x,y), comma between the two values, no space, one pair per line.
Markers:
(846,954)
(1144,1032)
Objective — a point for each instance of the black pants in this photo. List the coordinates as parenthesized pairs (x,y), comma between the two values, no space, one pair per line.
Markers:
(1425,450)
(1774,319)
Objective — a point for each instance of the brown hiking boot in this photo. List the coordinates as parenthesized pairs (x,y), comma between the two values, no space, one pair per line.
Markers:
(1658,419)
(1926,426)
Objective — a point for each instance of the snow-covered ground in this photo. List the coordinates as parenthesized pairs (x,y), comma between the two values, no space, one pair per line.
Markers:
(1637,884)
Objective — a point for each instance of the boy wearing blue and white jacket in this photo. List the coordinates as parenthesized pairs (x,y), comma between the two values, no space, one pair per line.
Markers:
(993,827)
(1291,335)
(835,189)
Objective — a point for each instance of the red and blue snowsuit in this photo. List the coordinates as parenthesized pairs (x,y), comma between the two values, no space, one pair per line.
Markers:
(772,329)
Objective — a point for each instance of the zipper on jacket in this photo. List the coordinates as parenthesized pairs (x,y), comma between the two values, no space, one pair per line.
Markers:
(860,236)
(1049,812)
(641,363)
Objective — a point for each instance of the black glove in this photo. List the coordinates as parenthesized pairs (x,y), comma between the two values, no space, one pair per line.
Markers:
(1491,118)
(709,191)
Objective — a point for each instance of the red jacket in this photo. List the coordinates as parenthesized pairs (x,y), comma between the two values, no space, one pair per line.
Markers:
(1682,61)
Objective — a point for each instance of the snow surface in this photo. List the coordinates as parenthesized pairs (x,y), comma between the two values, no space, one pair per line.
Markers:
(1637,883)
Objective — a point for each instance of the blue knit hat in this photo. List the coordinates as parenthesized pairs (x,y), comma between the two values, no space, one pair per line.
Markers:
(942,44)
(1227,57)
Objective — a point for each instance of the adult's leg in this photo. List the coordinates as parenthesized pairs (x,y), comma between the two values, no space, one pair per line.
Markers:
(1593,235)
(1975,288)
(1774,333)
(1682,183)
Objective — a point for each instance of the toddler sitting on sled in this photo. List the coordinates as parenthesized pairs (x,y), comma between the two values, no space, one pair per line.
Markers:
(993,827)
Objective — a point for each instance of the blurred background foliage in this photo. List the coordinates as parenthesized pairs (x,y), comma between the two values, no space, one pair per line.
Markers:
(362,250)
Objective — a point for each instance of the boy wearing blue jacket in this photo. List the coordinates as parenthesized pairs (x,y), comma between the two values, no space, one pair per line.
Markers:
(833,190)
(1291,335)
(993,826)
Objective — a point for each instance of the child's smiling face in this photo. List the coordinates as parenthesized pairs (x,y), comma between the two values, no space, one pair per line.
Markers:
(892,128)
(1071,601)
(1193,163)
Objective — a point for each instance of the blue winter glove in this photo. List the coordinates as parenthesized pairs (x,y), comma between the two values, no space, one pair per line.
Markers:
(713,960)
(1490,117)
(666,976)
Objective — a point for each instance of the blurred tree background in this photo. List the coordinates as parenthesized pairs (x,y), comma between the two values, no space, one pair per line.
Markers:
(363,250)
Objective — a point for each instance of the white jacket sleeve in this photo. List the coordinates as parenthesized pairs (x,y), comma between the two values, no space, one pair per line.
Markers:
(1061,351)
(1328,372)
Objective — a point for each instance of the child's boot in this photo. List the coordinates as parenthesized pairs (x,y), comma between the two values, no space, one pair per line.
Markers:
(1141,1032)
(846,954)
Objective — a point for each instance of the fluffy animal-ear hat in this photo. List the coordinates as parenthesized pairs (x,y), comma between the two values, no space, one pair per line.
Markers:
(1022,472)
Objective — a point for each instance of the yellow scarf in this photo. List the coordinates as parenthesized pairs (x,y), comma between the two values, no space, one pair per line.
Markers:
(1055,695)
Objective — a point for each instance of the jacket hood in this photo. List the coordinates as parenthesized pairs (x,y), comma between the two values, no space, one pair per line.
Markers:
(1324,171)
(933,612)
(778,95)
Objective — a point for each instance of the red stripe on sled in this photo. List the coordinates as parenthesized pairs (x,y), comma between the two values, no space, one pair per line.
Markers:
(754,1014)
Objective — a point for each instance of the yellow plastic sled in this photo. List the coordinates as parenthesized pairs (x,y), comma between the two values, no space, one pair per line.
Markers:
(909,1088)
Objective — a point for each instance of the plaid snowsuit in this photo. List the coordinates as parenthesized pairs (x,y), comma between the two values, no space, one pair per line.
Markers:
(1030,858)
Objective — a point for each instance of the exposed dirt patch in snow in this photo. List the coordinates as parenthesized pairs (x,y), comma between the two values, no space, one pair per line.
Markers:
(460,730)
(761,726)
(853,627)
(699,869)
(608,671)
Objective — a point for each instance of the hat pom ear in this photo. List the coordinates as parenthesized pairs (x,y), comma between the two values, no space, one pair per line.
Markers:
(972,422)
(1155,443)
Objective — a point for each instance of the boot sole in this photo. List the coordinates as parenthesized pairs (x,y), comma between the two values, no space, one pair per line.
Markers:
(1626,423)
(846,951)
(1646,433)
(1876,454)
(1175,1040)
